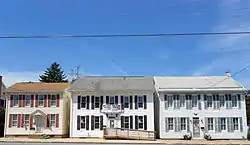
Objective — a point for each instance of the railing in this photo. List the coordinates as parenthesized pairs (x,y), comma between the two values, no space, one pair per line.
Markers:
(111,108)
(123,133)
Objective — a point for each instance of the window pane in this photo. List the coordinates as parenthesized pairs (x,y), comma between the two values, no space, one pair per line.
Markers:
(97,102)
(16,100)
(112,100)
(27,100)
(52,120)
(83,102)
(40,100)
(53,100)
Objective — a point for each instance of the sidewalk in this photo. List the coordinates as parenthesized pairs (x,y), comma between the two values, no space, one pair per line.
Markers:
(102,141)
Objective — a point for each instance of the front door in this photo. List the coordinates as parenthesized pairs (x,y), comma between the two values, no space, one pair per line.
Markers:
(39,123)
(196,127)
(112,123)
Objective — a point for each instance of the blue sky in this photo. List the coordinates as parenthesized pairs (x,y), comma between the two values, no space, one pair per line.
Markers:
(25,59)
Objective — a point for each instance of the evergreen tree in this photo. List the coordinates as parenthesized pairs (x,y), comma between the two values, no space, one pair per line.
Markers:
(53,74)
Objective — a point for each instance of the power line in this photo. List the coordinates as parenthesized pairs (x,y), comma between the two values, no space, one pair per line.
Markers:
(125,35)
(238,72)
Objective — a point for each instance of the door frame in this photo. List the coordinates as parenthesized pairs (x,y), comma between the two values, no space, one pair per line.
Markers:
(193,127)
(41,121)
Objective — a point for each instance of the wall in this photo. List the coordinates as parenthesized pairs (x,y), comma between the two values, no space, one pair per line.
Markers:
(127,112)
(29,110)
(210,112)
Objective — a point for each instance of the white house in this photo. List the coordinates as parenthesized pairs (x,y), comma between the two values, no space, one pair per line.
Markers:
(114,102)
(35,108)
(199,106)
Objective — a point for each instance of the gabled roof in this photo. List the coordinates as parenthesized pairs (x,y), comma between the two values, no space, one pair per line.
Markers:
(172,83)
(37,87)
(113,83)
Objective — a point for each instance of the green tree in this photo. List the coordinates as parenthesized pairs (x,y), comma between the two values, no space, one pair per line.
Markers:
(53,74)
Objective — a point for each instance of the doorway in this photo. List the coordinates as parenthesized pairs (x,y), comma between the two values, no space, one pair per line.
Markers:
(196,127)
(112,123)
(39,123)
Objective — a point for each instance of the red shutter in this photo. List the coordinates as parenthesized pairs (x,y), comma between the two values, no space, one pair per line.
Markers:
(22,120)
(20,102)
(31,121)
(36,101)
(57,100)
(24,100)
(32,101)
(19,120)
(49,100)
(48,120)
(11,101)
(57,120)
(10,120)
(45,100)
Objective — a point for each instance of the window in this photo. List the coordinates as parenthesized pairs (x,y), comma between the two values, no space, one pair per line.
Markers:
(170,123)
(234,101)
(209,101)
(140,122)
(228,97)
(53,100)
(222,101)
(97,122)
(223,123)
(210,123)
(83,102)
(14,120)
(83,122)
(170,101)
(112,100)
(15,98)
(126,121)
(183,123)
(27,100)
(235,124)
(140,101)
(97,102)
(182,101)
(52,120)
(126,102)
(194,101)
(40,100)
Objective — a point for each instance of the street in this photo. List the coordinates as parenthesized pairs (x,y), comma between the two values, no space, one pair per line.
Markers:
(8,143)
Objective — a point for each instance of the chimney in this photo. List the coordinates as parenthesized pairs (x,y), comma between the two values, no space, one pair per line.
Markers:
(228,74)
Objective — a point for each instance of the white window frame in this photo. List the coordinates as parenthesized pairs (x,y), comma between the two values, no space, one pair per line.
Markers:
(194,100)
(14,121)
(140,122)
(209,101)
(83,101)
(170,123)
(126,101)
(223,125)
(40,100)
(16,100)
(210,124)
(97,122)
(183,123)
(26,120)
(112,101)
(53,101)
(234,101)
(83,122)
(182,101)
(52,121)
(170,99)
(97,101)
(223,100)
(126,122)
(235,123)
(27,100)
(140,101)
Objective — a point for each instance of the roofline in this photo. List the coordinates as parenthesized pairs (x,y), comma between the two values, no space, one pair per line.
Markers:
(34,91)
(111,90)
(201,90)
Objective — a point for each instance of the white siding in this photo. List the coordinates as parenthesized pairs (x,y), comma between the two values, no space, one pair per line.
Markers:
(195,112)
(96,112)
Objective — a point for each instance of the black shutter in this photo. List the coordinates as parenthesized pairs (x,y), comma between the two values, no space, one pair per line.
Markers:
(145,122)
(87,122)
(92,102)
(122,121)
(107,99)
(101,122)
(87,102)
(145,101)
(131,122)
(78,122)
(116,99)
(131,102)
(136,122)
(136,105)
(92,122)
(122,102)
(101,102)
(78,102)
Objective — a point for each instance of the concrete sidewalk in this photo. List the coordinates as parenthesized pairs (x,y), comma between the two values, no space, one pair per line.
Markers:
(102,141)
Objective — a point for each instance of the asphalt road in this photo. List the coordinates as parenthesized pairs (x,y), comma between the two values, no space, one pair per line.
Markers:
(9,143)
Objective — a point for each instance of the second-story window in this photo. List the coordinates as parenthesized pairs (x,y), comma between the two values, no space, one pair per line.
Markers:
(222,101)
(170,101)
(209,101)
(126,102)
(83,102)
(41,100)
(53,100)
(112,100)
(15,98)
(234,101)
(140,101)
(194,101)
(27,100)
(97,102)
(182,101)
